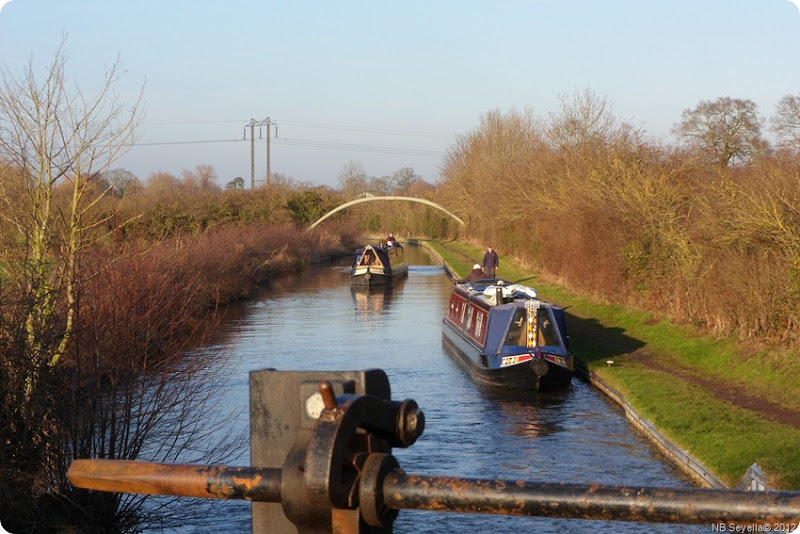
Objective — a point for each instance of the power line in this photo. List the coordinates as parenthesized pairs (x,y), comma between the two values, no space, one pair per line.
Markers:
(305,143)
(310,143)
(356,147)
(320,125)
(355,128)
(186,123)
(197,142)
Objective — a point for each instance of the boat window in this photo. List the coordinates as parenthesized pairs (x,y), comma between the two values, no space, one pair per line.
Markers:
(547,332)
(517,332)
(469,319)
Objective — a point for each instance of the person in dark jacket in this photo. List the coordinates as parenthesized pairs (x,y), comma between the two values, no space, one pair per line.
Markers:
(475,274)
(490,263)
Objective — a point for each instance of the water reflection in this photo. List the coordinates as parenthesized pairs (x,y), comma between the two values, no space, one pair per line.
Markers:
(375,300)
(525,409)
(530,416)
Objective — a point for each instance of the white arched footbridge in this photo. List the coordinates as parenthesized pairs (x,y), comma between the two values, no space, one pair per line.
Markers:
(373,199)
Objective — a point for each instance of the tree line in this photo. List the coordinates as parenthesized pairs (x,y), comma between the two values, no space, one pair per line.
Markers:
(705,231)
(106,284)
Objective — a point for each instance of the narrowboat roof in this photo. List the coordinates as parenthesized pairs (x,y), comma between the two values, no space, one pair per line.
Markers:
(378,247)
(483,292)
(381,251)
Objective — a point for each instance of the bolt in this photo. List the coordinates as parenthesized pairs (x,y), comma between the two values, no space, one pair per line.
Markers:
(412,422)
(328,396)
(413,419)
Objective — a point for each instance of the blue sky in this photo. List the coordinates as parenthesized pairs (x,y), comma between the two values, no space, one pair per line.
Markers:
(390,84)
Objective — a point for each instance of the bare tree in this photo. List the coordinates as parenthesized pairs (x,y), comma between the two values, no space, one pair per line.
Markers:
(379,185)
(121,182)
(207,176)
(586,120)
(162,183)
(237,184)
(725,131)
(786,121)
(202,178)
(403,179)
(52,134)
(56,141)
(352,180)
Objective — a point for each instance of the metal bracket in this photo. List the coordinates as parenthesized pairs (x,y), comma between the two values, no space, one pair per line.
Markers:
(321,429)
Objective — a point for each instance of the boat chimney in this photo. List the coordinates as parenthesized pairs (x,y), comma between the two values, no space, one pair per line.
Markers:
(498,295)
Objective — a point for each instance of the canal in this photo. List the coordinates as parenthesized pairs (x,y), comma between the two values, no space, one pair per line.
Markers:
(314,321)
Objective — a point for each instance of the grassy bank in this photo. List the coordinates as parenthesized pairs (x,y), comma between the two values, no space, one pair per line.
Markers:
(728,405)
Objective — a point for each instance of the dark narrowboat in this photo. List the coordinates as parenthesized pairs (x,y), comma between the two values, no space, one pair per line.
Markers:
(506,337)
(378,265)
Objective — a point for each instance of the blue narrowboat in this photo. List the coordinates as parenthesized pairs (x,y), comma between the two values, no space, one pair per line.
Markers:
(378,265)
(506,337)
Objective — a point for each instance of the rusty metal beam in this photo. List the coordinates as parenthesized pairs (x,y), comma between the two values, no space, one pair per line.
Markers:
(617,503)
(209,482)
(451,494)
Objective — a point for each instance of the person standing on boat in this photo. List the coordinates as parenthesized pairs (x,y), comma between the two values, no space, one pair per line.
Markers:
(390,240)
(490,262)
(475,274)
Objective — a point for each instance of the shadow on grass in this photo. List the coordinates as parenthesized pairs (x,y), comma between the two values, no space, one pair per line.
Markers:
(523,280)
(594,343)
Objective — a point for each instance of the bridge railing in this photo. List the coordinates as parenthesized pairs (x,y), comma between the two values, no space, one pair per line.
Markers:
(321,446)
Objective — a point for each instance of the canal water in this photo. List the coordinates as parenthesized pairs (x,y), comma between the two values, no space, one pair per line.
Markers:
(315,321)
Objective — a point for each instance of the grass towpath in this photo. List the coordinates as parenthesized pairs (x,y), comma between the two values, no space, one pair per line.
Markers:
(726,404)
